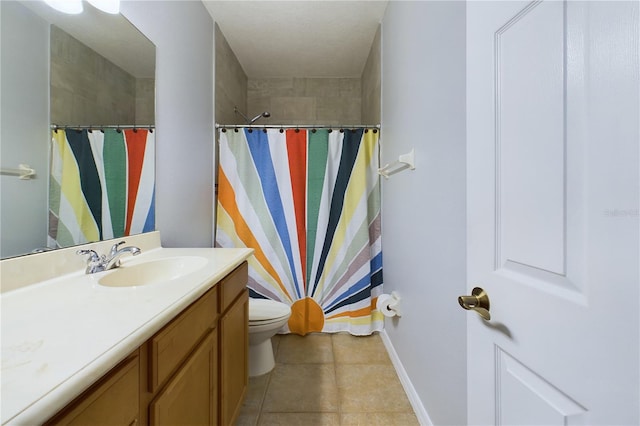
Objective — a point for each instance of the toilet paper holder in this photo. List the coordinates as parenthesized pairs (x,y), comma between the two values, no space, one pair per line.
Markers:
(389,304)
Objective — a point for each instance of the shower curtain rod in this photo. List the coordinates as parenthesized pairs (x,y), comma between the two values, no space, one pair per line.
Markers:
(106,126)
(297,126)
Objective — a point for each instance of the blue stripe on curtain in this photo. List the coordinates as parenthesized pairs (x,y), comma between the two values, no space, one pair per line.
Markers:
(259,147)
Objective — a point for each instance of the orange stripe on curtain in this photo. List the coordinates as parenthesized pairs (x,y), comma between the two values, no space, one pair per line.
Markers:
(227,199)
(362,312)
(136,142)
(297,154)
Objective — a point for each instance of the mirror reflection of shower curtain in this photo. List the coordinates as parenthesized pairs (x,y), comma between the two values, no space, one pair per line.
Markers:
(101,185)
(308,203)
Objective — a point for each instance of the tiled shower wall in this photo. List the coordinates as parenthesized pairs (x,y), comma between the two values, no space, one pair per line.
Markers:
(145,100)
(372,84)
(231,83)
(331,101)
(87,89)
(296,100)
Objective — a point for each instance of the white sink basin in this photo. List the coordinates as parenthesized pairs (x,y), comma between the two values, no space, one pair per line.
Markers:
(152,271)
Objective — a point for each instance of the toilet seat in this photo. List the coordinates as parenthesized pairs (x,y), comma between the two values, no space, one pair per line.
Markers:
(264,311)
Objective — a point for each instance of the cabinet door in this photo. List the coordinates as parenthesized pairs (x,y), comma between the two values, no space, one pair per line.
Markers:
(112,401)
(190,397)
(234,346)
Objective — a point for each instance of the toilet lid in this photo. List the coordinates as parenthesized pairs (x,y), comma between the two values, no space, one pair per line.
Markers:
(267,310)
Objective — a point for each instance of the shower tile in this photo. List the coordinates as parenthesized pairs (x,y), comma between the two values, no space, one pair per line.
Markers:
(348,109)
(298,108)
(370,388)
(322,87)
(288,419)
(311,349)
(379,419)
(349,349)
(350,87)
(296,388)
(271,86)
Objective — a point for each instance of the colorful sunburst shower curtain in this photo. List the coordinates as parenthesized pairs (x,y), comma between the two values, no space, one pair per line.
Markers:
(101,185)
(308,203)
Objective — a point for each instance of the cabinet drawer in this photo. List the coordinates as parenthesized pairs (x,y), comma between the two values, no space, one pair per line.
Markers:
(174,342)
(232,285)
(111,401)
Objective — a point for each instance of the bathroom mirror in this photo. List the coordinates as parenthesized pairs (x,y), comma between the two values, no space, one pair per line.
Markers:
(32,34)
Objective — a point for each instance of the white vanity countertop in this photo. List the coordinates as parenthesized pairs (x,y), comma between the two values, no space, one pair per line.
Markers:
(60,335)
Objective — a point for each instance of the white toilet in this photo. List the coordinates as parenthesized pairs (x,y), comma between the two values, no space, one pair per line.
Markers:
(266,317)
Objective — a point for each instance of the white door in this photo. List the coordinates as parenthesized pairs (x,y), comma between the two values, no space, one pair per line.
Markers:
(553,190)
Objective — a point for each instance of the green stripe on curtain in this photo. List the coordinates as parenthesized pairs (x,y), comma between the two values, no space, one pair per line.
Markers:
(115,171)
(318,150)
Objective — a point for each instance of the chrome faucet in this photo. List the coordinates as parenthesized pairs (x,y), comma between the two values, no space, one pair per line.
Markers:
(113,261)
(97,263)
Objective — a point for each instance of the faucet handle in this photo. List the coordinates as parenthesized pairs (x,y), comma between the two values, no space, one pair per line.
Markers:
(93,256)
(114,248)
(95,262)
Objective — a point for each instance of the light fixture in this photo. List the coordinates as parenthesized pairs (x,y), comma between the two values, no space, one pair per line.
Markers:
(75,6)
(108,6)
(72,7)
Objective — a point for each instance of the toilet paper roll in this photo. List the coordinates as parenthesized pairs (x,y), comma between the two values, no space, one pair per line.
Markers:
(389,305)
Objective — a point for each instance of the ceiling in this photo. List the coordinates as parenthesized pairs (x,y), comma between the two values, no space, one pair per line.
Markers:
(312,38)
(291,38)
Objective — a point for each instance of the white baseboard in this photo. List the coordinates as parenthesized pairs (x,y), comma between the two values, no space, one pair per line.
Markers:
(416,403)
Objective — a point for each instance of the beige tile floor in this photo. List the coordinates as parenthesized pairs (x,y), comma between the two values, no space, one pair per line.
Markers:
(327,379)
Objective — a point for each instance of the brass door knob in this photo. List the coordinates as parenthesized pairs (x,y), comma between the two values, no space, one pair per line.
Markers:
(478,301)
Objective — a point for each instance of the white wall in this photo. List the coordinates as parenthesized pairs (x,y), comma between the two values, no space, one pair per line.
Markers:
(24,128)
(424,234)
(183,34)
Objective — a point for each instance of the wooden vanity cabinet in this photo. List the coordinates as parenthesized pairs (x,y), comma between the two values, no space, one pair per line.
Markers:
(112,400)
(234,344)
(193,371)
(198,363)
(183,366)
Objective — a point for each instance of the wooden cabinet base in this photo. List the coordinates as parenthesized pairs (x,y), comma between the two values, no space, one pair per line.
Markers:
(193,371)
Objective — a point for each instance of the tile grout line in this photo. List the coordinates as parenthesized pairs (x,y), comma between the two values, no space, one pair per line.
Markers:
(266,388)
(335,376)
